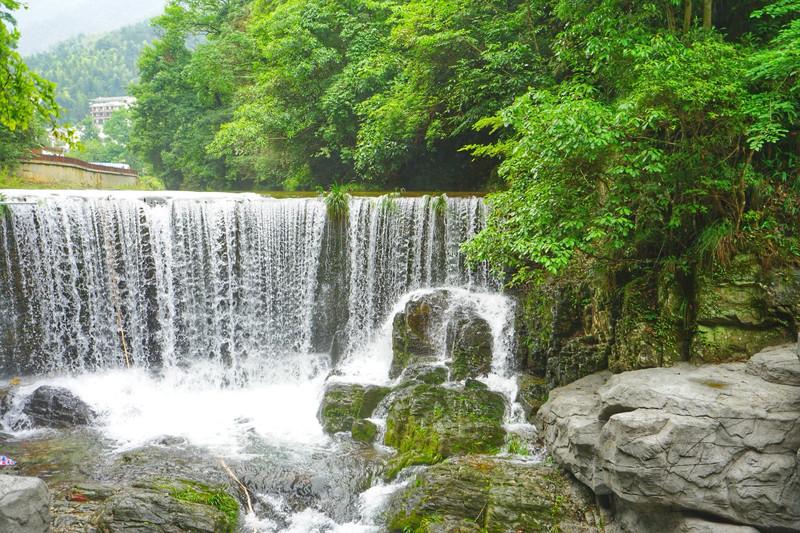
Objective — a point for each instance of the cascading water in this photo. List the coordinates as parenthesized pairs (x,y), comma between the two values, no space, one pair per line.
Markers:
(231,311)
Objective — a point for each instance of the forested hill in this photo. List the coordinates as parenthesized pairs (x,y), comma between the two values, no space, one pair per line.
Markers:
(86,67)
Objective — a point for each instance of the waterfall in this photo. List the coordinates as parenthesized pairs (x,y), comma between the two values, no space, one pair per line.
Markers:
(96,281)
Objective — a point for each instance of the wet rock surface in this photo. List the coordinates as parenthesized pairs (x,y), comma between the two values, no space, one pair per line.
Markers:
(495,495)
(344,403)
(716,440)
(427,423)
(327,480)
(90,484)
(414,330)
(55,407)
(469,344)
(24,505)
(169,507)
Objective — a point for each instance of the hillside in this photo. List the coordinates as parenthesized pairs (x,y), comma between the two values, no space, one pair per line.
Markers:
(45,23)
(87,67)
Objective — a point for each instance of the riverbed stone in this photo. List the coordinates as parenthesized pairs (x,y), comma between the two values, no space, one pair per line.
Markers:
(430,374)
(492,494)
(469,344)
(415,330)
(344,403)
(427,423)
(364,431)
(57,407)
(170,507)
(24,505)
(717,440)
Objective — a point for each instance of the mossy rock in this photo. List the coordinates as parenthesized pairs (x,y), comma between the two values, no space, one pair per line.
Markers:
(742,309)
(650,330)
(414,331)
(429,374)
(577,358)
(494,495)
(469,345)
(344,403)
(364,431)
(723,344)
(427,423)
(532,393)
(167,506)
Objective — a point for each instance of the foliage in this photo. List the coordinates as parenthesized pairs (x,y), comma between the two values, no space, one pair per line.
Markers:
(27,101)
(654,147)
(88,67)
(315,92)
(113,147)
(185,91)
(337,200)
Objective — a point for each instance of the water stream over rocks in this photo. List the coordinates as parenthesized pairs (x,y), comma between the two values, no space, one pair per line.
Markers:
(208,325)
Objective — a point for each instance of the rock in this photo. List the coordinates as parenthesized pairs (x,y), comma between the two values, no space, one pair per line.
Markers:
(430,374)
(575,358)
(531,394)
(562,331)
(716,440)
(741,310)
(469,345)
(415,329)
(170,507)
(479,493)
(24,505)
(56,407)
(343,403)
(364,431)
(427,423)
(650,329)
(652,519)
(777,365)
(89,491)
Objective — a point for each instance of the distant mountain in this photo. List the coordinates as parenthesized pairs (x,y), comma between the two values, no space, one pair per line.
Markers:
(47,22)
(87,67)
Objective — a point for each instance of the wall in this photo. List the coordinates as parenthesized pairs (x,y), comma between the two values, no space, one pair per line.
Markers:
(74,173)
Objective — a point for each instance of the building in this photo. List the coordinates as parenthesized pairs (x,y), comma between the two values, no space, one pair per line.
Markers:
(102,108)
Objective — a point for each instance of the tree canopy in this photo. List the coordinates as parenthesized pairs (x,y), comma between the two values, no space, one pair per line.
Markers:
(27,101)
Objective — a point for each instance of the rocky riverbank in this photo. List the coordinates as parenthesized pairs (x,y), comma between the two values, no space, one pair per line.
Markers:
(665,446)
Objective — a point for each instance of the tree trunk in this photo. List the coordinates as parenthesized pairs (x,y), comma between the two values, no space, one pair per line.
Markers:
(707,13)
(687,15)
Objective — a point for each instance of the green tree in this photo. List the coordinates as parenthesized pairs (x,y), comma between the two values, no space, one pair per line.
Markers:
(653,148)
(27,101)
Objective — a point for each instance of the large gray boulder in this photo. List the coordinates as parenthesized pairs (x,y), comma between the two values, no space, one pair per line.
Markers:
(56,407)
(717,440)
(24,505)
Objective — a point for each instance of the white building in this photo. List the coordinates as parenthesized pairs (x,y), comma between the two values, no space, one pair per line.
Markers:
(102,108)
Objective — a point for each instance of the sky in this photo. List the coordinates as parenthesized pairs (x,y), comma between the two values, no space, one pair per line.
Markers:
(47,22)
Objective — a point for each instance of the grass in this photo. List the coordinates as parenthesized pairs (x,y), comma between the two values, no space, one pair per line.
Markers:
(218,498)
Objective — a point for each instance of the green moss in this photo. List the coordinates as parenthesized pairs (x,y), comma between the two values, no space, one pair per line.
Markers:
(216,497)
(343,404)
(427,423)
(364,431)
